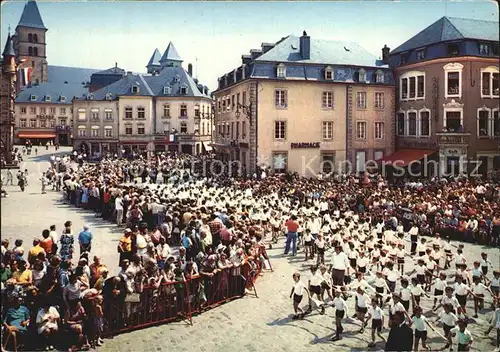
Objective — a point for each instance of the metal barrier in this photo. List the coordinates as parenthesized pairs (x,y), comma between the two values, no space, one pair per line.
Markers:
(173,301)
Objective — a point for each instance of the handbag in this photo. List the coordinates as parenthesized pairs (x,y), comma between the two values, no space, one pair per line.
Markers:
(133,298)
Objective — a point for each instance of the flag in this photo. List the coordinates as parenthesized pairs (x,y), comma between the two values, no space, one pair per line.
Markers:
(28,74)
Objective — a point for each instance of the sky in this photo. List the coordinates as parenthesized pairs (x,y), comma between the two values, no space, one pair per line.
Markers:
(213,35)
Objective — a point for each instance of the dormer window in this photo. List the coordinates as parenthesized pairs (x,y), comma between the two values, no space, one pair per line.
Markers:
(63,99)
(177,78)
(90,96)
(183,90)
(32,97)
(361,75)
(379,77)
(135,89)
(484,49)
(421,54)
(47,98)
(328,73)
(281,71)
(404,59)
(167,90)
(108,96)
(453,49)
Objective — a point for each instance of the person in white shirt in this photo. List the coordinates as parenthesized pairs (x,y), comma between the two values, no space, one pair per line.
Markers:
(449,320)
(400,255)
(340,306)
(339,264)
(119,209)
(419,323)
(439,286)
(362,300)
(495,323)
(308,245)
(315,282)
(461,293)
(478,290)
(298,291)
(326,284)
(376,314)
(320,244)
(464,336)
(416,292)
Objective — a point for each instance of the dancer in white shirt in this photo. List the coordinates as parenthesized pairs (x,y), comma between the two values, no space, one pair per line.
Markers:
(298,291)
(340,306)
(376,314)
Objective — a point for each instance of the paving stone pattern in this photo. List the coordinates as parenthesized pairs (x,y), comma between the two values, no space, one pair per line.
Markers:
(248,324)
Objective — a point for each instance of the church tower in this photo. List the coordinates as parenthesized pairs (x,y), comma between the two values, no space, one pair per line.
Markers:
(7,97)
(30,43)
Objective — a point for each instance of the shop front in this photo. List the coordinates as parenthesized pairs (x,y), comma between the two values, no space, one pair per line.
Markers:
(63,135)
(36,138)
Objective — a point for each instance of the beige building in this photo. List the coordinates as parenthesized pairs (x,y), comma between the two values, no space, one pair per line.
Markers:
(291,108)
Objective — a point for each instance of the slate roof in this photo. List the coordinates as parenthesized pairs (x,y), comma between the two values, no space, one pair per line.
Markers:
(449,29)
(111,71)
(170,54)
(9,48)
(152,85)
(31,16)
(155,58)
(322,52)
(74,75)
(54,90)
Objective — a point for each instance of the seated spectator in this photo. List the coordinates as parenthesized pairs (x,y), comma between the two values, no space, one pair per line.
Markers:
(35,250)
(22,275)
(75,318)
(47,323)
(16,322)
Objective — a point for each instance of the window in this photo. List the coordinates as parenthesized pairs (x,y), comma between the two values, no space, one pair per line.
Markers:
(128,129)
(167,90)
(232,130)
(82,132)
(378,154)
(421,54)
(379,77)
(94,132)
(328,73)
(196,111)
(484,126)
(453,120)
(244,129)
(484,49)
(361,100)
(108,132)
(489,83)
(420,86)
(400,124)
(108,96)
(23,110)
(453,79)
(43,111)
(327,129)
(412,123)
(361,130)
(496,123)
(23,123)
(183,90)
(108,114)
(237,98)
(166,110)
(404,88)
(32,123)
(95,114)
(62,122)
(327,100)
(33,97)
(128,113)
(232,101)
(184,128)
(30,37)
(35,38)
(33,110)
(30,51)
(360,161)
(280,130)
(281,71)
(425,123)
(47,98)
(413,86)
(238,129)
(63,99)
(166,128)
(35,51)
(327,162)
(141,129)
(280,162)
(244,99)
(82,114)
(135,89)
(184,110)
(379,100)
(379,130)
(52,123)
(361,75)
(52,111)
(62,111)
(141,113)
(453,49)
(280,98)
(404,59)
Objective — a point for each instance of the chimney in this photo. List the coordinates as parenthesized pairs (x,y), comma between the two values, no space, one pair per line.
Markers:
(385,54)
(255,53)
(190,70)
(305,46)
(129,73)
(246,59)
(265,47)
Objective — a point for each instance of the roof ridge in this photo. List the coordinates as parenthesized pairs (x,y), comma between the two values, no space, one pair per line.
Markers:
(150,91)
(448,20)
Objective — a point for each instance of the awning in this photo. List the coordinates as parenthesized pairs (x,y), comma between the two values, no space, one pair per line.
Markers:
(404,157)
(36,134)
(207,146)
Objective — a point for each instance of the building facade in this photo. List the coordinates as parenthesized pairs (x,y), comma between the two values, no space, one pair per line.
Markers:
(448,95)
(166,110)
(306,105)
(7,96)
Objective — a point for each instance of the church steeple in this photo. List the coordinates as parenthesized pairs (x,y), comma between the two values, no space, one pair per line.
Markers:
(31,17)
(8,51)
(154,63)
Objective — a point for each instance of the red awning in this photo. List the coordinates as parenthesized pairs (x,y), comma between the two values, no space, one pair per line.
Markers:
(36,134)
(404,157)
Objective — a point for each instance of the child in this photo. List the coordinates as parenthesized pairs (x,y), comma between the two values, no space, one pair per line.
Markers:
(495,285)
(98,320)
(340,312)
(326,284)
(400,254)
(377,316)
(380,286)
(308,244)
(464,336)
(320,246)
(461,293)
(419,322)
(478,290)
(298,291)
(315,286)
(449,320)
(405,293)
(362,262)
(439,286)
(485,263)
(495,323)
(362,306)
(416,292)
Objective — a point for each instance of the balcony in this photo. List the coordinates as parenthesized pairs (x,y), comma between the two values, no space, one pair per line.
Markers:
(453,139)
(183,117)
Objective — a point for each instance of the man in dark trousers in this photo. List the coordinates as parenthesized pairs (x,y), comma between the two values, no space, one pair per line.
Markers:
(400,337)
